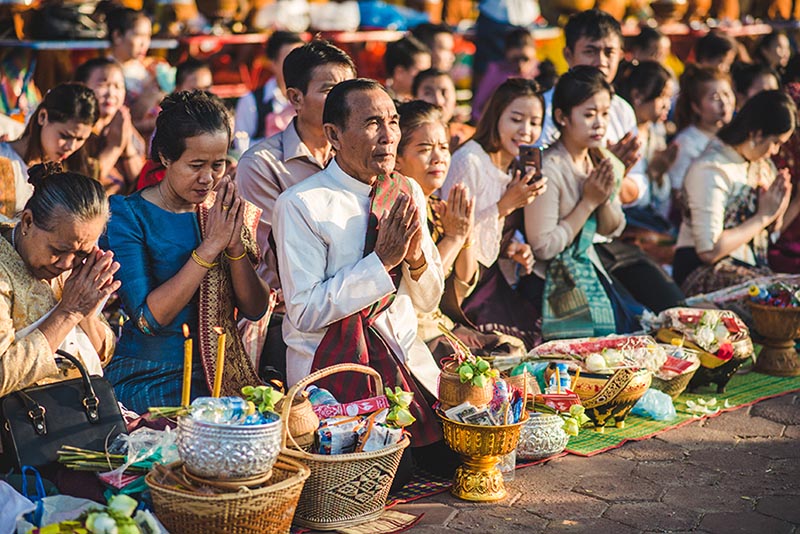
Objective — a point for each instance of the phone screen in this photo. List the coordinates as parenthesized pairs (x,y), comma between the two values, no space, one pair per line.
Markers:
(531,156)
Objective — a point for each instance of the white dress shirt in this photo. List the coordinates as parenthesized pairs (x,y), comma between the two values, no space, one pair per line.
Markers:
(472,166)
(320,226)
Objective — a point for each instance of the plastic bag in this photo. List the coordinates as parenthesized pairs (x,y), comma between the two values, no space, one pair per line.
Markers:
(14,505)
(145,444)
(655,404)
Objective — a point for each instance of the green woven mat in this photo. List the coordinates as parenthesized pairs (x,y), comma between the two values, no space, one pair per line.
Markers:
(743,390)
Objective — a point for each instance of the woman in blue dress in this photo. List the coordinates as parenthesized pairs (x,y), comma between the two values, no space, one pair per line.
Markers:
(186,249)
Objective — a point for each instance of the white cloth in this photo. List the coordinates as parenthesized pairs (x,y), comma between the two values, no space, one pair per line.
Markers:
(320,225)
(14,505)
(650,193)
(691,142)
(472,166)
(246,118)
(76,343)
(23,189)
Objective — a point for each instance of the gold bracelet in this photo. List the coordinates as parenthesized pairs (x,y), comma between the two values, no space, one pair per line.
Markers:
(237,258)
(201,262)
(467,244)
(414,271)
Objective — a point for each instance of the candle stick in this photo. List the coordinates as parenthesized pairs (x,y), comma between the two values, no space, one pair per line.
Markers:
(121,322)
(558,382)
(187,368)
(575,380)
(220,361)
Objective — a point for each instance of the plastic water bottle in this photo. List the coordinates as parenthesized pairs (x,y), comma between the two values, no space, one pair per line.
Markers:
(221,410)
(318,396)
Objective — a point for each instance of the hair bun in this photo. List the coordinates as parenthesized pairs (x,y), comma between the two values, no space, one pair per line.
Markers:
(37,173)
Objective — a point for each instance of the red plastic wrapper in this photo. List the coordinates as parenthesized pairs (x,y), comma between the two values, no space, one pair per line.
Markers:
(352,409)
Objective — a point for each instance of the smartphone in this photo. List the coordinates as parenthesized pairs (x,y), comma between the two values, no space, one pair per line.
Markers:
(529,156)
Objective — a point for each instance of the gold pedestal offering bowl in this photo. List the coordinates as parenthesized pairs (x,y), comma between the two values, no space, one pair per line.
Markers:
(607,397)
(780,327)
(478,478)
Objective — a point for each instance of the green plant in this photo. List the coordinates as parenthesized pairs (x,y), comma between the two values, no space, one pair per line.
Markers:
(263,397)
(399,413)
(574,419)
(477,372)
(474,370)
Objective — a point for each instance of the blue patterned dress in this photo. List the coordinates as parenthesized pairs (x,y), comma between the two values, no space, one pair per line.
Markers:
(151,246)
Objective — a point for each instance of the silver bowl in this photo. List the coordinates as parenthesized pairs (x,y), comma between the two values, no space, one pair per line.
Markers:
(228,451)
(541,436)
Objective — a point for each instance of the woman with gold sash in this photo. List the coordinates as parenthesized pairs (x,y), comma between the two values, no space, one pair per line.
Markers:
(53,280)
(187,252)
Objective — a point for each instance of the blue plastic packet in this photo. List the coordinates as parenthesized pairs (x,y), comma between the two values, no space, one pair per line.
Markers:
(655,404)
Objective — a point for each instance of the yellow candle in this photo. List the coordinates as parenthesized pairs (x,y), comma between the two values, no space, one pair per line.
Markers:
(558,382)
(187,367)
(220,361)
(575,380)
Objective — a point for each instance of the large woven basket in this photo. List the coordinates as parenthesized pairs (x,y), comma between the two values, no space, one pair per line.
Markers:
(343,490)
(248,511)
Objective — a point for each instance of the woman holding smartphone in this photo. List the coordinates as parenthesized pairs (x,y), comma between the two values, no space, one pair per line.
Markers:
(512,118)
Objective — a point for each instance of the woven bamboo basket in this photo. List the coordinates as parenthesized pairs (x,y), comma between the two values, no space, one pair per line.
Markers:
(343,490)
(453,392)
(303,422)
(677,385)
(249,511)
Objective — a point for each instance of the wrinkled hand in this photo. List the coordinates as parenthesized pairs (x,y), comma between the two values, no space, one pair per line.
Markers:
(395,231)
(660,163)
(224,219)
(520,193)
(458,213)
(627,150)
(598,186)
(773,201)
(89,283)
(522,254)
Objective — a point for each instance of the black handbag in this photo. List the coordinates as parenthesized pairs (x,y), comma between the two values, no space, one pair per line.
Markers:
(37,421)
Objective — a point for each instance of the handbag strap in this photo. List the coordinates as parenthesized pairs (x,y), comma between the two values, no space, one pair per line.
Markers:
(36,412)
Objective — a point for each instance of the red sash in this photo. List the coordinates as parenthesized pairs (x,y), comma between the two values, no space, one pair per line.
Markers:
(355,340)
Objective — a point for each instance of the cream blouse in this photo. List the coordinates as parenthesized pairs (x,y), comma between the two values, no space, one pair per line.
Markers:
(713,182)
(545,229)
(24,299)
(472,166)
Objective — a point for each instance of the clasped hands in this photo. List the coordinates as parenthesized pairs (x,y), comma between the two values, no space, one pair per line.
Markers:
(400,235)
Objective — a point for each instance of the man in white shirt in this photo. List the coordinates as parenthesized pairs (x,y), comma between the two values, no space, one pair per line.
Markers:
(287,158)
(352,291)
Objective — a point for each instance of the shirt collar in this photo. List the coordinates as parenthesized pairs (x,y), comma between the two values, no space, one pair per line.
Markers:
(347,182)
(294,147)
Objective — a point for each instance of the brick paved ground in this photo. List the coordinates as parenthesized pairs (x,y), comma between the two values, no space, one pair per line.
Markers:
(736,473)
